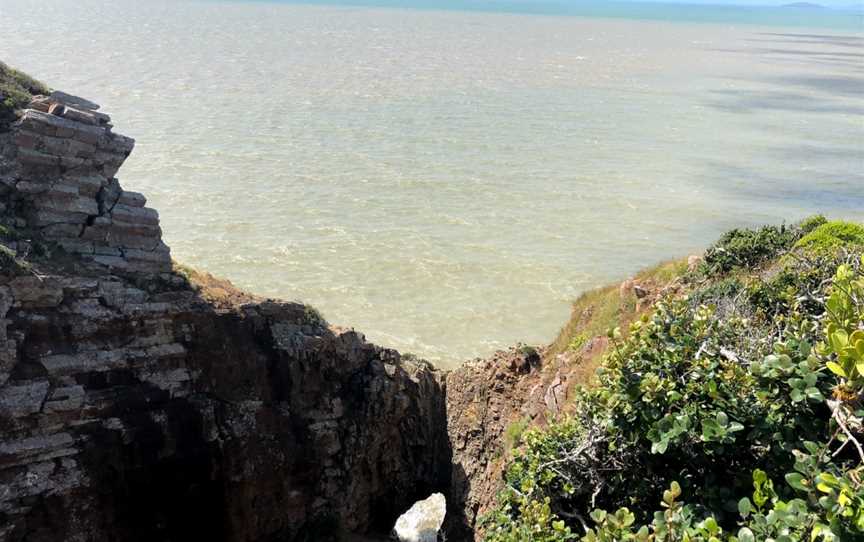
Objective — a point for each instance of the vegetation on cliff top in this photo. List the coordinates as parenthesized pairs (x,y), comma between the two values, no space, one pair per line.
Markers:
(731,411)
(16,90)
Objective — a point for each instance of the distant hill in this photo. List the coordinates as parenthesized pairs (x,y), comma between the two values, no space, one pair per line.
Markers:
(806,5)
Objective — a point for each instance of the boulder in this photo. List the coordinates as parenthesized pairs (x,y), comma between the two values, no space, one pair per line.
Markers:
(422,521)
(75,101)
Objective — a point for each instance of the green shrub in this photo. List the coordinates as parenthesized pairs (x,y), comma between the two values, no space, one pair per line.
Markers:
(745,248)
(755,416)
(712,294)
(832,236)
(577,342)
(803,277)
(830,506)
(811,223)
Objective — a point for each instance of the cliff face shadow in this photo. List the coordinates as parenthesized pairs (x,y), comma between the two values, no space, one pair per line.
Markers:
(823,75)
(456,524)
(818,82)
(749,101)
(812,39)
(844,195)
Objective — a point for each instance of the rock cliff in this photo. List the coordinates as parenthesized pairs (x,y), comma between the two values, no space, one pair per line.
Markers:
(488,401)
(142,402)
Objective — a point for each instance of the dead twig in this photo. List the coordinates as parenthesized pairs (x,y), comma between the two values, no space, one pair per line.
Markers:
(835,413)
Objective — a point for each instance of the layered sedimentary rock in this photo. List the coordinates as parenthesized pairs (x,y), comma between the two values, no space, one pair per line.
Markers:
(137,404)
(60,181)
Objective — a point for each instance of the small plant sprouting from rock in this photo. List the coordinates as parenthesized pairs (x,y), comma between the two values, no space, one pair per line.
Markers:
(9,234)
(513,433)
(11,264)
(577,342)
(312,316)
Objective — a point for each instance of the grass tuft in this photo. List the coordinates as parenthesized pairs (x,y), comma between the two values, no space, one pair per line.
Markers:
(597,311)
(16,90)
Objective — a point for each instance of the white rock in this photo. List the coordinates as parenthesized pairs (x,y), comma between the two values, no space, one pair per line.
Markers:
(422,521)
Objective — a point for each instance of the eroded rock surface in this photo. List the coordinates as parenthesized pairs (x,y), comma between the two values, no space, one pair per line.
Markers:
(484,397)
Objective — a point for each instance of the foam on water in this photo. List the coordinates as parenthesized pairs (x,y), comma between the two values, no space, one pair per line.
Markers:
(448,181)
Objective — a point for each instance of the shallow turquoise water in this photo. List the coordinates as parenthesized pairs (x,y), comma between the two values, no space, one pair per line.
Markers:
(847,18)
(447,181)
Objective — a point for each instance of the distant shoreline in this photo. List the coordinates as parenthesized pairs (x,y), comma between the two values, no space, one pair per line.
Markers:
(796,14)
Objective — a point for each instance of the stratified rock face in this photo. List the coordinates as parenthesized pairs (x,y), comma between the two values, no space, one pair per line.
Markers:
(58,175)
(132,407)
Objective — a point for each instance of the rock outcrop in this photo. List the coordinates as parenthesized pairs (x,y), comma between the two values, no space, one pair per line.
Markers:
(60,182)
(139,403)
(490,402)
(484,398)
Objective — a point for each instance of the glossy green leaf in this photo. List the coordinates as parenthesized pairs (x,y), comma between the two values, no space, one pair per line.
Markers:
(796,480)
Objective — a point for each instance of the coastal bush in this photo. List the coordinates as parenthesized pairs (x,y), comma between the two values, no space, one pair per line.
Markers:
(16,90)
(744,424)
(715,293)
(811,223)
(746,248)
(831,236)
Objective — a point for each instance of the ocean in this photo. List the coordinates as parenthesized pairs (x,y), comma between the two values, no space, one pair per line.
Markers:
(447,177)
